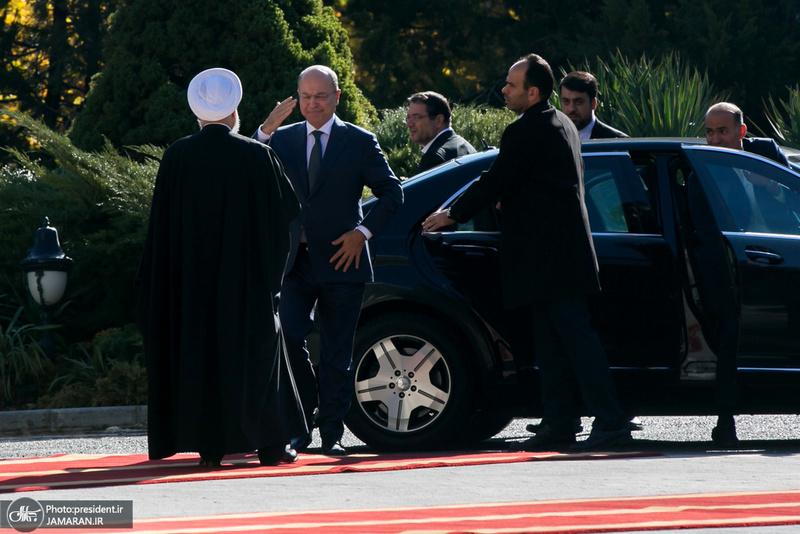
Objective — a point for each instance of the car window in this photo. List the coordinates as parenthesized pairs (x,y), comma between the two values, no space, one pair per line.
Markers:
(748,194)
(486,220)
(616,195)
(604,202)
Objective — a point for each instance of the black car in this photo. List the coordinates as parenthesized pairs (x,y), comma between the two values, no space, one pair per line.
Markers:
(438,361)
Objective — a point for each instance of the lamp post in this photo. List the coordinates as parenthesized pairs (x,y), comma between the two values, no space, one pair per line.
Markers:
(46,269)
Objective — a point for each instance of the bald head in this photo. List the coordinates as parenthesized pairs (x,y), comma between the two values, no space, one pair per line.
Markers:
(725,125)
(318,92)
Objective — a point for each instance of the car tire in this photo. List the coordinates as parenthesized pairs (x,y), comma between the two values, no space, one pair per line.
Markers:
(411,384)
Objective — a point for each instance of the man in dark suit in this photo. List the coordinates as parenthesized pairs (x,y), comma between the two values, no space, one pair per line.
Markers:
(579,100)
(329,162)
(428,123)
(578,94)
(538,177)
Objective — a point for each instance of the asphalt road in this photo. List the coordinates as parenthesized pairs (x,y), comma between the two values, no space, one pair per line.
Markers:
(768,459)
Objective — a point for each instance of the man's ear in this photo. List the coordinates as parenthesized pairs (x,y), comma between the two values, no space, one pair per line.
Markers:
(534,94)
(742,131)
(594,103)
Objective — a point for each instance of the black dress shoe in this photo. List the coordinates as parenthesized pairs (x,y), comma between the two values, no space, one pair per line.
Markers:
(546,439)
(289,455)
(604,441)
(210,459)
(334,449)
(272,455)
(577,427)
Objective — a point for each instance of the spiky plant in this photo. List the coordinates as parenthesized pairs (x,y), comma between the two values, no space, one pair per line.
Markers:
(784,118)
(645,98)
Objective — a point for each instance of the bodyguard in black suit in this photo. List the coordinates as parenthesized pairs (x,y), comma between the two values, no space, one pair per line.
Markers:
(538,178)
(428,123)
(329,162)
(578,91)
(578,94)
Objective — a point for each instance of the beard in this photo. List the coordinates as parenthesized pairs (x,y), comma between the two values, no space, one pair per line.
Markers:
(236,124)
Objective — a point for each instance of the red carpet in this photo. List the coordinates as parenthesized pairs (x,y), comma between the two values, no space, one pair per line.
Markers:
(663,512)
(73,471)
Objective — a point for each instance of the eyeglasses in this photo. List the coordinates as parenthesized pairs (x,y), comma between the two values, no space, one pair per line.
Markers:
(415,118)
(319,97)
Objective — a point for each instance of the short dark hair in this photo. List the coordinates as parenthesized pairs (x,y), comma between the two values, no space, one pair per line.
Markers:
(580,82)
(435,104)
(539,75)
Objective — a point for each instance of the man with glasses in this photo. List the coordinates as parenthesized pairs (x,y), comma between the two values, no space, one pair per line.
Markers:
(428,123)
(328,162)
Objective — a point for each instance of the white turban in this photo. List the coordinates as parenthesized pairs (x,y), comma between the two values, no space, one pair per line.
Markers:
(214,94)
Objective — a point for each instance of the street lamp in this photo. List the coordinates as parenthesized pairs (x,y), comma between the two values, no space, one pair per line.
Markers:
(46,269)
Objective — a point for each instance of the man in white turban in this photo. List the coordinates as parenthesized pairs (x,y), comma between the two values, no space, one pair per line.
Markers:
(218,378)
(214,96)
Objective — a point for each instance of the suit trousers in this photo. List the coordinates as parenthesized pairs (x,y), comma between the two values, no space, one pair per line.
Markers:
(338,306)
(570,357)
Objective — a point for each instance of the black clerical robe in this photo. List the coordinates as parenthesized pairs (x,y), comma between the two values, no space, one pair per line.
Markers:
(217,242)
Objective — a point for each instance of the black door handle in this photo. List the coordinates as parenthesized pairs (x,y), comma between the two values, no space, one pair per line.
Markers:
(762,255)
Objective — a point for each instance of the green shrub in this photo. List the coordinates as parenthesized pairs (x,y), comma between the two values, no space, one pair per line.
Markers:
(480,123)
(99,202)
(107,371)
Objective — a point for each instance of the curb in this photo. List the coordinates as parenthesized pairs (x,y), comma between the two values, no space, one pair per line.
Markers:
(70,420)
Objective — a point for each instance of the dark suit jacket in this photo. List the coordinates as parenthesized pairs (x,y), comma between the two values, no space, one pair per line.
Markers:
(601,130)
(547,250)
(351,161)
(764,146)
(447,146)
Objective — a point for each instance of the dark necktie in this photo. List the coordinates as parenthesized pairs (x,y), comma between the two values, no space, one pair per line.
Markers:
(314,160)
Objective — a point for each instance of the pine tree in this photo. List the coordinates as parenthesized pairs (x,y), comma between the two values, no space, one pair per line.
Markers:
(155,47)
